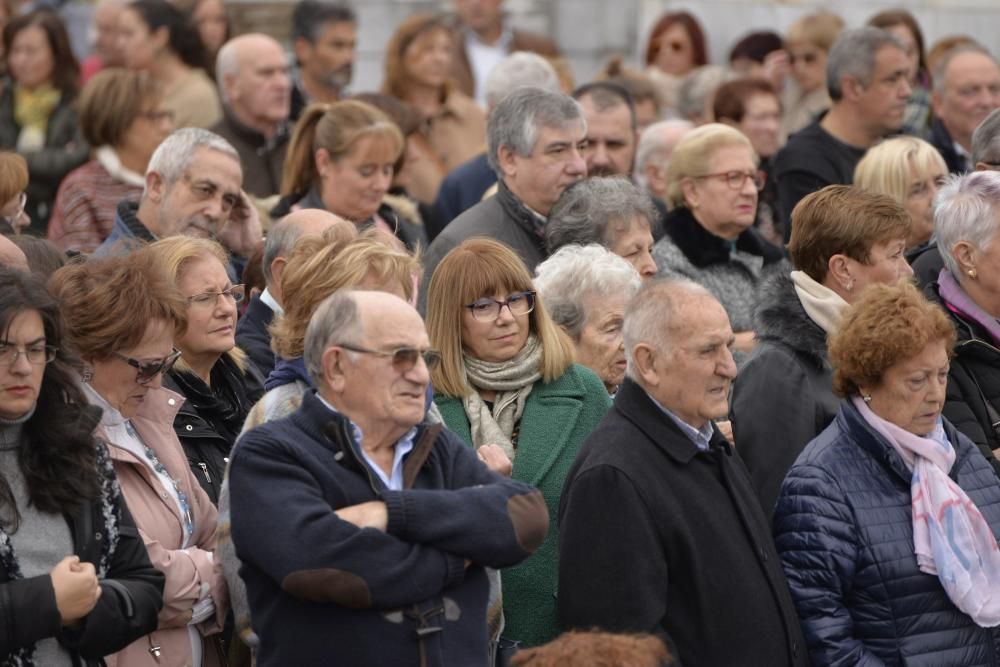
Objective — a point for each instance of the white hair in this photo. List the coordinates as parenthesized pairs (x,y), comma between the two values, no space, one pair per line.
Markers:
(657,143)
(520,68)
(337,320)
(651,313)
(966,209)
(174,155)
(573,274)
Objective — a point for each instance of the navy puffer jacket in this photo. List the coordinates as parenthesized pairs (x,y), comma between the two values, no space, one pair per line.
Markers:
(843,527)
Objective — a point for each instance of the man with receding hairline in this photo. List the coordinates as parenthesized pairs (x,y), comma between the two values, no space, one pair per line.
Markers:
(966,90)
(660,530)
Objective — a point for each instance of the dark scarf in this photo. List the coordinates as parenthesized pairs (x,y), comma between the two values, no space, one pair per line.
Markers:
(225,404)
(287,371)
(532,222)
(127,211)
(703,248)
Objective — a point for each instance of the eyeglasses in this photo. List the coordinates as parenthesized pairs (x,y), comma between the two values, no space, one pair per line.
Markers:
(736,179)
(36,354)
(209,299)
(518,303)
(12,219)
(403,358)
(150,369)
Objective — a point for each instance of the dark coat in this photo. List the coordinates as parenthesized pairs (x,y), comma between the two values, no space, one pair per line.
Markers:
(783,396)
(974,379)
(461,189)
(210,420)
(658,536)
(324,591)
(131,591)
(253,337)
(941,139)
(262,159)
(844,529)
(65,150)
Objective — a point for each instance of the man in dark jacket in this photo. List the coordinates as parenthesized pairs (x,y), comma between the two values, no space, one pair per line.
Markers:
(659,527)
(364,530)
(535,138)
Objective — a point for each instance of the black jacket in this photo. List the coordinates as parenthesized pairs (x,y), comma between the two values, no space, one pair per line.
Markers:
(783,396)
(658,536)
(131,590)
(945,145)
(262,159)
(210,419)
(253,337)
(973,382)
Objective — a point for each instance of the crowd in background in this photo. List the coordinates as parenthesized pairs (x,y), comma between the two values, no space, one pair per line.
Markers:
(478,364)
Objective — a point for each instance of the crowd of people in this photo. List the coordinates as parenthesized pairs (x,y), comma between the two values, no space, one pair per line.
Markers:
(688,364)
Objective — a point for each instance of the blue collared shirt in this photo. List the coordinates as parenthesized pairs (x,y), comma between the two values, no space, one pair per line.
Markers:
(394,481)
(701,437)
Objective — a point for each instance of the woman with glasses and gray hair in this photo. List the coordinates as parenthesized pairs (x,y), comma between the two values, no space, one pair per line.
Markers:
(585,289)
(123,315)
(967,228)
(712,188)
(218,384)
(507,379)
(609,211)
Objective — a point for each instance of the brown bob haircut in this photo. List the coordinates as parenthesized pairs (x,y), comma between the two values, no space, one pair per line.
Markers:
(65,68)
(396,80)
(476,268)
(699,52)
(731,98)
(111,102)
(13,175)
(843,220)
(887,325)
(335,128)
(108,304)
(318,266)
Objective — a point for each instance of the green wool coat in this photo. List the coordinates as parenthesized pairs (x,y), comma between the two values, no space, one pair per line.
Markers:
(557,418)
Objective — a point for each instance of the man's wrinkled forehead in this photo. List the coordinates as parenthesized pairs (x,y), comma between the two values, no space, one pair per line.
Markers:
(554,137)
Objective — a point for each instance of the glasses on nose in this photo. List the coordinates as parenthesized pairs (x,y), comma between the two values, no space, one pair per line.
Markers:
(146,371)
(487,310)
(12,218)
(403,358)
(210,299)
(736,179)
(35,354)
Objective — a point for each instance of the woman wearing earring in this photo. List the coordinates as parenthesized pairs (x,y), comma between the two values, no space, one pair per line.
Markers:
(967,221)
(842,240)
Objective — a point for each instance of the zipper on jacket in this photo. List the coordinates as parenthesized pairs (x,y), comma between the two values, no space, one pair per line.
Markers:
(204,470)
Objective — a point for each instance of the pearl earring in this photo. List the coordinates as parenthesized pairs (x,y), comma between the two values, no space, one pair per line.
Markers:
(972,273)
(867,398)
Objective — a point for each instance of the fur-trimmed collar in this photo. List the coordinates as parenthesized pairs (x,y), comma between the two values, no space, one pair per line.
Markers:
(703,248)
(780,318)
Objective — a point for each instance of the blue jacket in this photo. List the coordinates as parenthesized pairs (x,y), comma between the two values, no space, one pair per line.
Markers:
(323,591)
(843,527)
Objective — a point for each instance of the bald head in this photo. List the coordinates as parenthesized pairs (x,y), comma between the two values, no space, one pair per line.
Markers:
(11,255)
(254,80)
(282,237)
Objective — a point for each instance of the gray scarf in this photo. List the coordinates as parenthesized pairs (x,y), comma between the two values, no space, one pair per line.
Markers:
(512,380)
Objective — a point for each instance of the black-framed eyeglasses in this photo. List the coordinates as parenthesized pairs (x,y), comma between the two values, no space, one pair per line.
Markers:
(736,179)
(487,309)
(209,299)
(403,358)
(148,370)
(35,354)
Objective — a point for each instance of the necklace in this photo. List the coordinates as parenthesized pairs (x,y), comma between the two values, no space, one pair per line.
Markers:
(154,461)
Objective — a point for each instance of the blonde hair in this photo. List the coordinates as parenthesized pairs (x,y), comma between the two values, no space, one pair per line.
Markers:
(820,30)
(318,266)
(885,168)
(476,268)
(694,153)
(335,128)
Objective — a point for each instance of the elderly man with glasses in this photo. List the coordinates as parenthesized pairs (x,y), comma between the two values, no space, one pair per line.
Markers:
(364,531)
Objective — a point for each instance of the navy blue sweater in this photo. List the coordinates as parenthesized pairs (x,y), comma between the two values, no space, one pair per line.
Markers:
(324,592)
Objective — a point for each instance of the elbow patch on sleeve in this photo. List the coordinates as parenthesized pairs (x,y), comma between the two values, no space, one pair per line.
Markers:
(329,585)
(530,519)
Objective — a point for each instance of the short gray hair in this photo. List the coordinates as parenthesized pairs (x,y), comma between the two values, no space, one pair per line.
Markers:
(651,313)
(566,279)
(656,144)
(336,320)
(986,140)
(698,87)
(175,154)
(585,210)
(280,239)
(966,209)
(853,54)
(517,119)
(226,64)
(517,70)
(940,73)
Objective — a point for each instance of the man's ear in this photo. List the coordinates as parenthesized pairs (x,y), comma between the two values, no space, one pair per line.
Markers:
(156,187)
(644,364)
(334,361)
(507,159)
(850,87)
(277,269)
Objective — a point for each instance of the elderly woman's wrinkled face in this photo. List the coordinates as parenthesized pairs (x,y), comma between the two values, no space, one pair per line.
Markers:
(633,242)
(21,376)
(211,326)
(911,393)
(600,346)
(492,335)
(118,381)
(724,199)
(919,202)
